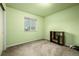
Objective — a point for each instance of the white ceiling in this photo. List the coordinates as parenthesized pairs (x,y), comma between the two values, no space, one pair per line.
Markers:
(41,9)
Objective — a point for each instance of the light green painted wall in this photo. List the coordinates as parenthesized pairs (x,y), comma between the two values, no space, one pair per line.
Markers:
(67,21)
(15,27)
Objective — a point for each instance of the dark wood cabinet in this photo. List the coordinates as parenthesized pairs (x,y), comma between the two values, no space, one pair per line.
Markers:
(57,37)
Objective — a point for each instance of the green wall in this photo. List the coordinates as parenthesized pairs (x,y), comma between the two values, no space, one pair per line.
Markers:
(15,27)
(67,21)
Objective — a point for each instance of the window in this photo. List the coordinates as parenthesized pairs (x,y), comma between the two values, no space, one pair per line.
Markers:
(29,24)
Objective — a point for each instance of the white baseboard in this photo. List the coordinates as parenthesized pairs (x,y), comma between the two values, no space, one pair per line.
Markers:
(22,43)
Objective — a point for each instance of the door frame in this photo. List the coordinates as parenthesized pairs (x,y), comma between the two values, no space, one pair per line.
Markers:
(4,26)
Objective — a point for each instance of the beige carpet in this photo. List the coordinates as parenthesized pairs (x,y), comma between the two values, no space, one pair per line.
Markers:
(40,48)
